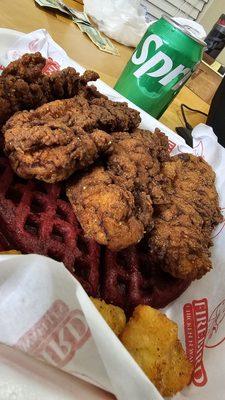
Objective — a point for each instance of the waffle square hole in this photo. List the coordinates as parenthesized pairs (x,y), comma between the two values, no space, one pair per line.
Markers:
(18,180)
(122,286)
(31,226)
(37,206)
(82,245)
(53,254)
(81,268)
(14,195)
(123,259)
(57,234)
(62,195)
(61,214)
(41,187)
(146,289)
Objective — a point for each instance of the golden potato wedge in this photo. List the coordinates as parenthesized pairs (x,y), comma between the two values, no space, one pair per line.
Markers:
(152,339)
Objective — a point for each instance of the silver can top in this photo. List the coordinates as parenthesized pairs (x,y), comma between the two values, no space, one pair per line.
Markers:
(185,29)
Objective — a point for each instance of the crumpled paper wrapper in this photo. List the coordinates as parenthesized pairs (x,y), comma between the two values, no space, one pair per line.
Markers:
(45,312)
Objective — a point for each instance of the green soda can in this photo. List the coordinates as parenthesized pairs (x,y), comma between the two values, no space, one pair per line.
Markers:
(162,62)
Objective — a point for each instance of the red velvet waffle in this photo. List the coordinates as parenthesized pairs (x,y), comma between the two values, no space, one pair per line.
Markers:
(130,279)
(36,217)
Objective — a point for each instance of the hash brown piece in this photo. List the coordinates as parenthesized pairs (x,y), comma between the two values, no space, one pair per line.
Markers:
(152,340)
(113,315)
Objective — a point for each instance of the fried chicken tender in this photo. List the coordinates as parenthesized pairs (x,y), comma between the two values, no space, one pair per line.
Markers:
(23,86)
(106,211)
(29,67)
(183,225)
(135,159)
(192,179)
(114,116)
(113,202)
(152,340)
(113,315)
(51,142)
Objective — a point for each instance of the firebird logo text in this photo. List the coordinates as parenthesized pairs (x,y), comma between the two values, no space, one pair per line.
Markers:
(195,316)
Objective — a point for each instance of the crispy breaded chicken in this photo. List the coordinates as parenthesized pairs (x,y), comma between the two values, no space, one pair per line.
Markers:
(23,86)
(58,138)
(113,201)
(106,211)
(49,144)
(152,339)
(135,159)
(183,225)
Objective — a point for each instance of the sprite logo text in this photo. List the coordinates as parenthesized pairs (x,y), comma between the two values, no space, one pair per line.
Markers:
(165,71)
